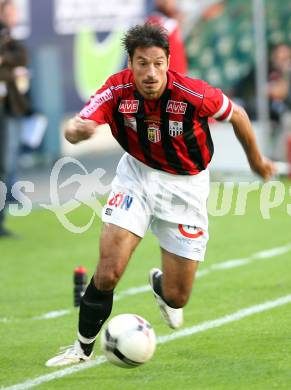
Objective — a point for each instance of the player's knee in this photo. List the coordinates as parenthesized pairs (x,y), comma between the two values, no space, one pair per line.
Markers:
(107,279)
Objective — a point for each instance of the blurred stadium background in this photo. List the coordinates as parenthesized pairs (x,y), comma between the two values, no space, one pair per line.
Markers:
(75,45)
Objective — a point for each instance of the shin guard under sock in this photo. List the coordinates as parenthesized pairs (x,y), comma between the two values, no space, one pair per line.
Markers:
(95,308)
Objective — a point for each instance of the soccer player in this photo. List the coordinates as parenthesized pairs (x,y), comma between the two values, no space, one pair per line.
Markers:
(160,118)
(167,15)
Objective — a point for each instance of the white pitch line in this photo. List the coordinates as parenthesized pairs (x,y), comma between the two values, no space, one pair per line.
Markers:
(5,320)
(231,264)
(228,264)
(261,255)
(55,375)
(52,314)
(132,291)
(236,316)
(280,250)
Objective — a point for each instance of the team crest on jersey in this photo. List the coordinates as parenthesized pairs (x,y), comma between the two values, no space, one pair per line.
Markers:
(176,107)
(154,133)
(128,106)
(175,128)
(130,122)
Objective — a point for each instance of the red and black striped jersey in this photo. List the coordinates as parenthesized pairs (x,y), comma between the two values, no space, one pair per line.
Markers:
(171,133)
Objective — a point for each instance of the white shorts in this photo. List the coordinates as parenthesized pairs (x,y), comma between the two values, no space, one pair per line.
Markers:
(173,206)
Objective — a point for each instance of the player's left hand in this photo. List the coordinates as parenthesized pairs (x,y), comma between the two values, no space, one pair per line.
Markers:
(265,168)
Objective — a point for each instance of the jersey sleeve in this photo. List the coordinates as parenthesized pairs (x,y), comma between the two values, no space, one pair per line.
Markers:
(215,104)
(99,107)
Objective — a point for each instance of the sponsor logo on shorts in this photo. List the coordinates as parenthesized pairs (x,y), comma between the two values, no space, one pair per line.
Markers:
(121,200)
(128,106)
(175,128)
(184,240)
(108,211)
(154,133)
(96,102)
(190,231)
(176,107)
(130,122)
(189,242)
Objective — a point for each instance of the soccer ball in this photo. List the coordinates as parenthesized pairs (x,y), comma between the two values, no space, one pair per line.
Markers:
(128,340)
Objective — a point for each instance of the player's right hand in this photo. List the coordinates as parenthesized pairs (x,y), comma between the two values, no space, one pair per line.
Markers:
(79,129)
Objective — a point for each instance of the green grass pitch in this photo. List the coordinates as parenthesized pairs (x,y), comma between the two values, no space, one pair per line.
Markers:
(251,353)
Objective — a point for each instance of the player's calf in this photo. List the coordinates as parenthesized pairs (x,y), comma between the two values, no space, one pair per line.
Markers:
(172,316)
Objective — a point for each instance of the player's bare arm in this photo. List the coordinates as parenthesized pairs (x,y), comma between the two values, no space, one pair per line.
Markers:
(245,134)
(78,129)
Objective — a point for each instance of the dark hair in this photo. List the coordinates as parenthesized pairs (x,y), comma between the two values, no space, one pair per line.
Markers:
(146,35)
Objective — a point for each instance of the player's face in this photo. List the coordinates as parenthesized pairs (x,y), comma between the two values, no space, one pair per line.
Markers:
(149,66)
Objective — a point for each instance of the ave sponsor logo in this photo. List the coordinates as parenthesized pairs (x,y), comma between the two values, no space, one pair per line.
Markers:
(120,200)
(176,107)
(95,102)
(128,106)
